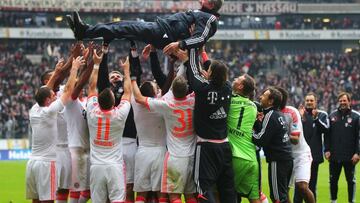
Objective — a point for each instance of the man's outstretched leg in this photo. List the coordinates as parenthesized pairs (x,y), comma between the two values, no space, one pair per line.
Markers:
(148,32)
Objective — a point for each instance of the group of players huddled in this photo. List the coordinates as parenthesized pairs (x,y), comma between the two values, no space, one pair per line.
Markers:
(189,132)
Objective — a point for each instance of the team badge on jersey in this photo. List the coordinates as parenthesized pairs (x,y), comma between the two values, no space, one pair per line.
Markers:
(349,119)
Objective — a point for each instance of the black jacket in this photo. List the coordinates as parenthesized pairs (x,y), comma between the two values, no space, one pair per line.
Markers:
(273,136)
(211,102)
(314,130)
(342,139)
(177,27)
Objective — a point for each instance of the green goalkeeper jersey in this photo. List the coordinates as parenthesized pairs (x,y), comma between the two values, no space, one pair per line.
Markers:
(240,122)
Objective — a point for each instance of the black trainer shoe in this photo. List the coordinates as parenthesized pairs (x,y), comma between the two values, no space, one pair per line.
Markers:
(79,26)
(70,22)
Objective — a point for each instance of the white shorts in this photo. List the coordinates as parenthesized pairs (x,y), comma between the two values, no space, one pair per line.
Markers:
(108,181)
(177,176)
(41,180)
(80,166)
(148,168)
(302,169)
(129,151)
(63,167)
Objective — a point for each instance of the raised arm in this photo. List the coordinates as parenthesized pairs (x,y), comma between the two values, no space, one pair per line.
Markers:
(127,82)
(94,74)
(196,81)
(84,74)
(74,53)
(57,74)
(66,96)
(169,78)
(139,98)
(159,76)
(103,75)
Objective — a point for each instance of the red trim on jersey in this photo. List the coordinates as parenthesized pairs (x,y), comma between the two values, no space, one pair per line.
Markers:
(147,103)
(295,133)
(191,200)
(204,56)
(124,176)
(103,143)
(140,198)
(165,173)
(62,196)
(74,194)
(98,132)
(292,113)
(107,129)
(52,180)
(163,200)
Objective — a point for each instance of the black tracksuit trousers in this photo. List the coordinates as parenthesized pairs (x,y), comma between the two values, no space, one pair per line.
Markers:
(148,32)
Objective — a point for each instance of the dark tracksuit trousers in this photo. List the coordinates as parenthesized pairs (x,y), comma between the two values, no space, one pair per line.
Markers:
(335,171)
(148,32)
(213,166)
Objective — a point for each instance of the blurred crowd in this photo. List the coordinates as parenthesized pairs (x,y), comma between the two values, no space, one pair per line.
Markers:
(278,22)
(324,72)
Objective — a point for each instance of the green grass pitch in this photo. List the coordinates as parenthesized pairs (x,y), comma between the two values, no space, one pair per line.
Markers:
(12,183)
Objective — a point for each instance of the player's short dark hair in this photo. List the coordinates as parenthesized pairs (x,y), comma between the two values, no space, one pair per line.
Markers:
(312,94)
(276,96)
(45,76)
(284,96)
(147,89)
(115,71)
(248,85)
(42,94)
(341,94)
(219,73)
(106,99)
(217,4)
(180,87)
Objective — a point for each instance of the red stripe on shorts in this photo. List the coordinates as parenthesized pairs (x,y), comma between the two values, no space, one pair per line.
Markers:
(52,180)
(165,173)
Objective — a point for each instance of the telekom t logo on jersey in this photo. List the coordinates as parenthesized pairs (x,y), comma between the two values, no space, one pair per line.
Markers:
(212,97)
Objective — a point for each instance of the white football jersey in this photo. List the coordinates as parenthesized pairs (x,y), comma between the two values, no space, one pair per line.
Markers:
(178,115)
(106,131)
(302,148)
(78,132)
(150,126)
(43,121)
(61,122)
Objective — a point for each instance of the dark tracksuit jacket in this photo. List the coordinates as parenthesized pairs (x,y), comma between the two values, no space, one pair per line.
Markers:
(273,136)
(343,138)
(164,31)
(313,133)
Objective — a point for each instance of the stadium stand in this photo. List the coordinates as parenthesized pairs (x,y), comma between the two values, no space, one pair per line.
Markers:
(325,72)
